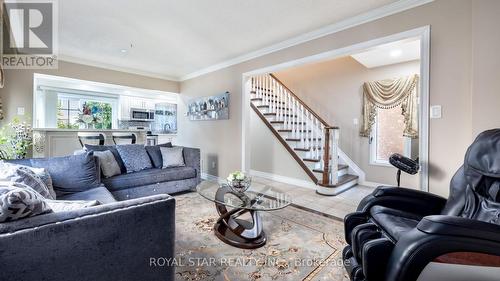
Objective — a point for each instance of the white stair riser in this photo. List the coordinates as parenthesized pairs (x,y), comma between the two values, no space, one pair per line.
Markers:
(332,191)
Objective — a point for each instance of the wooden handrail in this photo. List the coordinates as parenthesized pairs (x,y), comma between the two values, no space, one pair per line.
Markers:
(329,135)
(285,144)
(301,102)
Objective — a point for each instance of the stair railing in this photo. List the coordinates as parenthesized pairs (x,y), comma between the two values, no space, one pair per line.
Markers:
(302,123)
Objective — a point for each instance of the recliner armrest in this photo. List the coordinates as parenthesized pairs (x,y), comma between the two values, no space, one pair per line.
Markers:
(458,226)
(439,235)
(407,192)
(405,199)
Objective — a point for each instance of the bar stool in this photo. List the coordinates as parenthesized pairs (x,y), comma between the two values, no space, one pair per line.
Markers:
(122,137)
(92,138)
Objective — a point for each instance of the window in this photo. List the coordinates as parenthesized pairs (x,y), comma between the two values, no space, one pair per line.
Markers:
(68,110)
(76,111)
(387,136)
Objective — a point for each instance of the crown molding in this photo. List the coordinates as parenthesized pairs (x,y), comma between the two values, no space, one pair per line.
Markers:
(384,11)
(76,60)
(372,15)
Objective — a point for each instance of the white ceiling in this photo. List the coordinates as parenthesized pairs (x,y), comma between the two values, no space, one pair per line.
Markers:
(387,54)
(173,38)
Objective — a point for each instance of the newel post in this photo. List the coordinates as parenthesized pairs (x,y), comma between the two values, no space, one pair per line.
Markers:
(326,158)
(335,156)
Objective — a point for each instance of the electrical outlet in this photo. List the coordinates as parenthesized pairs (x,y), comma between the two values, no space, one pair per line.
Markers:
(435,111)
(355,121)
(20,110)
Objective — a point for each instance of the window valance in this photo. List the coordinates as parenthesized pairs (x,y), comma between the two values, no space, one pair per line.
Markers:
(390,93)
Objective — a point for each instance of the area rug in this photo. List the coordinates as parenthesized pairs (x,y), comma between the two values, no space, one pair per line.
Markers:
(301,246)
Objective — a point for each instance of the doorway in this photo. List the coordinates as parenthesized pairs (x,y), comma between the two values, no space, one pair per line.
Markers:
(412,147)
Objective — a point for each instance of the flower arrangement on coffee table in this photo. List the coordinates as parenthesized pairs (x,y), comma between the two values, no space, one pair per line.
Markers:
(238,181)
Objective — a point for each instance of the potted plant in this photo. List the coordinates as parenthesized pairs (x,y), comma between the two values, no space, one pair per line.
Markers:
(15,139)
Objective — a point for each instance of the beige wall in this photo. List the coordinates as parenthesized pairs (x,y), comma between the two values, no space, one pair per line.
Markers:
(269,155)
(333,89)
(485,87)
(220,141)
(18,90)
(450,84)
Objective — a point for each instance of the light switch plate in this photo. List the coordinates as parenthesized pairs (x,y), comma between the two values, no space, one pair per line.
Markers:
(355,121)
(20,111)
(435,111)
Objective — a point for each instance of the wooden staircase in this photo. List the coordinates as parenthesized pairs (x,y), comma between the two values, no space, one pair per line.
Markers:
(311,141)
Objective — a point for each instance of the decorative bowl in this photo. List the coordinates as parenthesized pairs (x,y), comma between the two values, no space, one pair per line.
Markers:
(239,186)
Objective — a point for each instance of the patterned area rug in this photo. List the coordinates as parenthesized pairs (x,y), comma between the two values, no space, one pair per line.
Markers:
(300,246)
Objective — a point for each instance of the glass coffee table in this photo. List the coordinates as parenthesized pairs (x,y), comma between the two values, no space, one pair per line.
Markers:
(231,228)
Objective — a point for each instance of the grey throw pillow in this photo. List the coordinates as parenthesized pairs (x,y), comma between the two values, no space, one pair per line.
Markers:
(28,176)
(172,157)
(19,201)
(134,157)
(70,205)
(113,150)
(109,166)
(155,153)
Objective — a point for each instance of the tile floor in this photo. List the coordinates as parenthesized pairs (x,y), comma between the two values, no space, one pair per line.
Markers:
(332,206)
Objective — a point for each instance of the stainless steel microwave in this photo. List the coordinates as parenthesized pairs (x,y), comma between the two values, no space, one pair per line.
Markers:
(140,114)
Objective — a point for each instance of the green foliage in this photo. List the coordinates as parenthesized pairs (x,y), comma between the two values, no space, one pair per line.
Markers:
(63,125)
(99,115)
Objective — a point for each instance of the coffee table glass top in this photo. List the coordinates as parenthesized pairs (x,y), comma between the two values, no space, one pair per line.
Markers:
(257,197)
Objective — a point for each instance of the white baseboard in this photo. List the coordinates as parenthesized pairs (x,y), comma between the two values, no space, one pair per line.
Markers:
(371,183)
(209,177)
(283,179)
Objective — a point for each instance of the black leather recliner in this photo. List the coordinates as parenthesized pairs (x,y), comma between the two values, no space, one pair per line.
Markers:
(396,232)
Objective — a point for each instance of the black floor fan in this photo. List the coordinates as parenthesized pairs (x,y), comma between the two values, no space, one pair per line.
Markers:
(404,164)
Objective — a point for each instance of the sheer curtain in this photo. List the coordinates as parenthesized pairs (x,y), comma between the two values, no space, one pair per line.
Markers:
(390,93)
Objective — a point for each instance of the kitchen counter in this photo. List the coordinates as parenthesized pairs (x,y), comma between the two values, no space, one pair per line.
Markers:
(100,130)
(87,130)
(51,142)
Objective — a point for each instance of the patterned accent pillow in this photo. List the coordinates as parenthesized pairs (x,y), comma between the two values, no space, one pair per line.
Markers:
(25,175)
(47,179)
(70,205)
(172,156)
(19,201)
(134,157)
(109,166)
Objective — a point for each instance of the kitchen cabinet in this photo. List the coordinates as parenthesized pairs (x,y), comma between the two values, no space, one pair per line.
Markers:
(124,107)
(128,102)
(142,103)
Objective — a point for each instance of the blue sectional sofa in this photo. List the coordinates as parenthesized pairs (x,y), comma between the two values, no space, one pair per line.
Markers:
(115,240)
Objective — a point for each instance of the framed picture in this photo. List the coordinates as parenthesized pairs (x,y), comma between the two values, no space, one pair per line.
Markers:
(209,108)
